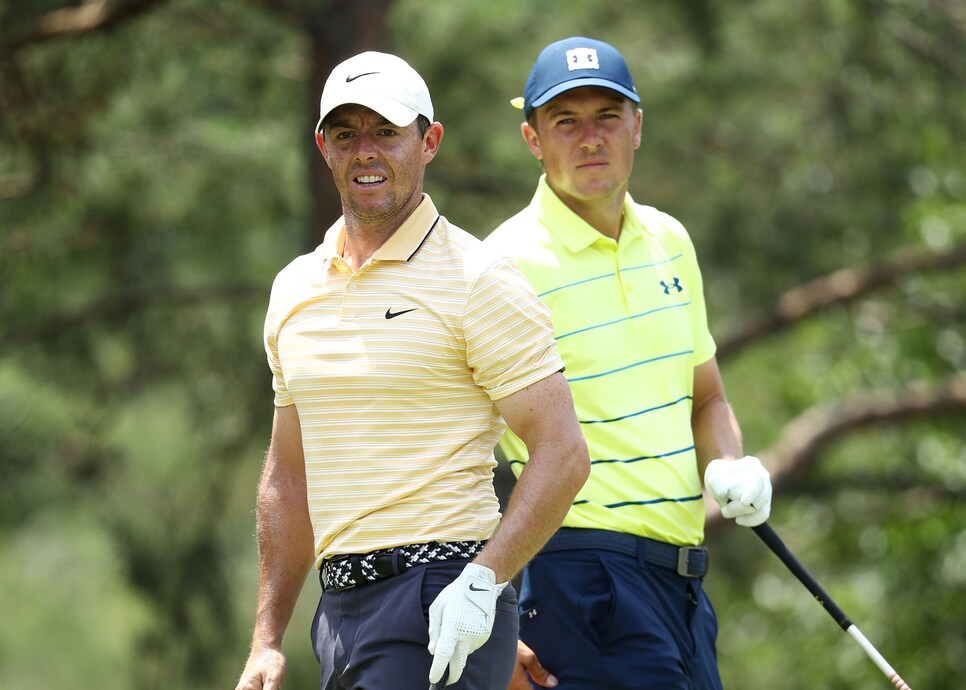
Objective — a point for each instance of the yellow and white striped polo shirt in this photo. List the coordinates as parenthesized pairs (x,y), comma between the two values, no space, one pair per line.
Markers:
(393,369)
(630,323)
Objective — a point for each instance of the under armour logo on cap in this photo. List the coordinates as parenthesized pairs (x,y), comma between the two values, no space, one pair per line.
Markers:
(582,58)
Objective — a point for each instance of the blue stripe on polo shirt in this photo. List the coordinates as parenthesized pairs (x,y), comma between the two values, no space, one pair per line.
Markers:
(635,414)
(630,366)
(611,275)
(611,461)
(652,501)
(641,457)
(626,318)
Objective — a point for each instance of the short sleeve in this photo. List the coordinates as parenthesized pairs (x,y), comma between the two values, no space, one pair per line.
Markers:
(508,332)
(282,396)
(704,345)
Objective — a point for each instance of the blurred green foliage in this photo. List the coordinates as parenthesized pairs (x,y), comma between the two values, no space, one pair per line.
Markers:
(153,179)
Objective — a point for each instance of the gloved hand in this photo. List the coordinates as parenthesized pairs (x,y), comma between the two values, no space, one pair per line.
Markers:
(742,488)
(461,619)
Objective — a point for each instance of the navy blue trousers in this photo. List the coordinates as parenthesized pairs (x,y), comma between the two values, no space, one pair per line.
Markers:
(599,620)
(375,636)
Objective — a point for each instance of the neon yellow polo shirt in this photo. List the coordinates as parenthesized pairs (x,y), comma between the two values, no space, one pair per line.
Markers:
(630,323)
(393,369)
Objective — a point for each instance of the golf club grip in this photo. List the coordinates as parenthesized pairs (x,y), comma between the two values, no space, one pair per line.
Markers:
(774,542)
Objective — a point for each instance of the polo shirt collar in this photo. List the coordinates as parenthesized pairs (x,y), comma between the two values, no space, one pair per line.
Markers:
(571,229)
(400,246)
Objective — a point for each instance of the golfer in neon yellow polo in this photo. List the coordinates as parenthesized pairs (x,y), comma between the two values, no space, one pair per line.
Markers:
(615,598)
(630,325)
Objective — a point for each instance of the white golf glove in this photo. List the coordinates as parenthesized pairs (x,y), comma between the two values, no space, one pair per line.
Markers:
(461,619)
(742,488)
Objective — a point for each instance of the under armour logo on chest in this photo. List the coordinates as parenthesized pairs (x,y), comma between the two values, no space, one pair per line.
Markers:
(675,284)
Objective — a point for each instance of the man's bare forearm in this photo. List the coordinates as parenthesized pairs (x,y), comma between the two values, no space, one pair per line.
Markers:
(285,540)
(285,555)
(543,417)
(713,423)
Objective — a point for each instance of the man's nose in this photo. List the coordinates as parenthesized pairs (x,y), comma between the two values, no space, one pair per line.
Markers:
(590,136)
(365,147)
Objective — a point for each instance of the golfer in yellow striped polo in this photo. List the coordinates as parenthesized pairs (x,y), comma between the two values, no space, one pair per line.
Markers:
(615,598)
(400,350)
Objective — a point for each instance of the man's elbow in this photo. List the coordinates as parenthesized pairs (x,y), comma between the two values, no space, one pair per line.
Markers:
(578,462)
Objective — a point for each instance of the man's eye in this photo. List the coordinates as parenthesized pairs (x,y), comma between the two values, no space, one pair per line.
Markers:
(343,135)
(388,132)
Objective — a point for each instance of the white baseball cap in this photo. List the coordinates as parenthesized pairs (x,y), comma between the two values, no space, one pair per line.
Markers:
(379,81)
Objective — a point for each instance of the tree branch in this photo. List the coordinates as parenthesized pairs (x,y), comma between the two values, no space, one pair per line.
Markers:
(928,47)
(93,15)
(840,287)
(803,439)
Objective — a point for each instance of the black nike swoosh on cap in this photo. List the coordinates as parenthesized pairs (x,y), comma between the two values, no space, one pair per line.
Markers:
(390,314)
(356,76)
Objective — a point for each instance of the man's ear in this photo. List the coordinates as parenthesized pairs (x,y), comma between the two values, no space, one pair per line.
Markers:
(533,140)
(431,141)
(638,119)
(320,142)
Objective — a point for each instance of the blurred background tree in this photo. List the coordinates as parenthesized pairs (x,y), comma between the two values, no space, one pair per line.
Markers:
(157,169)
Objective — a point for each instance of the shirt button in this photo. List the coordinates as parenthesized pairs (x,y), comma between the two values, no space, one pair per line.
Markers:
(353,287)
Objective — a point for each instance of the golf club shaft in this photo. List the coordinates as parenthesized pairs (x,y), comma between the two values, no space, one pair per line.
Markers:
(774,542)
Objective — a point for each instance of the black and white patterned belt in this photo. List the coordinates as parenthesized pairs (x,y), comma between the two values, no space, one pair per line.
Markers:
(345,571)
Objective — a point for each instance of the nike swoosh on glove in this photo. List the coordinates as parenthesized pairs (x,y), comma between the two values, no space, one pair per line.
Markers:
(742,488)
(461,619)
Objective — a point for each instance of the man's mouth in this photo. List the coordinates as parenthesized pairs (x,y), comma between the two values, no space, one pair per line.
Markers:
(369,179)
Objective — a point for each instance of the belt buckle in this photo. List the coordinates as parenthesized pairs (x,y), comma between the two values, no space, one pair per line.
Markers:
(389,564)
(684,559)
(327,569)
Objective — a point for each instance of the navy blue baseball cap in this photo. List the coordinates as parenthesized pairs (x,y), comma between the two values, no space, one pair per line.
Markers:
(572,63)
